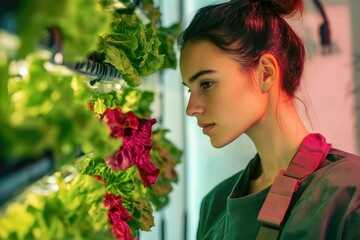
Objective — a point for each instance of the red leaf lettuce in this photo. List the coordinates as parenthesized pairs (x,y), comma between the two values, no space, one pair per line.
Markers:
(135,150)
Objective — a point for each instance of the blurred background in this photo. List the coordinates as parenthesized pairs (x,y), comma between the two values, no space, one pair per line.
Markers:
(329,103)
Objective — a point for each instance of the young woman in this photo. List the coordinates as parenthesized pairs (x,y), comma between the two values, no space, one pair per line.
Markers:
(242,64)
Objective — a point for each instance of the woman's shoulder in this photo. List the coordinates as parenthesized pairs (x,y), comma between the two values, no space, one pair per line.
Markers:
(336,177)
(343,162)
(329,197)
(340,170)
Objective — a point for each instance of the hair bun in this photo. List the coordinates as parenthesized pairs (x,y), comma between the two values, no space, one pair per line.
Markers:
(281,7)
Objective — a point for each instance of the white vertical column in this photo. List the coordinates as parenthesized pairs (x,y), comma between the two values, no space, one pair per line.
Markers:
(170,222)
(174,214)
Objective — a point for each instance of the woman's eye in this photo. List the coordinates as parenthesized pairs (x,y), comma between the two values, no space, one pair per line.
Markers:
(206,85)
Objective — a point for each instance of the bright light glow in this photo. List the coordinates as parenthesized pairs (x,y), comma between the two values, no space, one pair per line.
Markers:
(58,58)
(23,71)
(117,86)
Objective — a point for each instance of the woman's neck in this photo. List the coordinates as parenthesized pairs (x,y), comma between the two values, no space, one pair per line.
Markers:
(277,137)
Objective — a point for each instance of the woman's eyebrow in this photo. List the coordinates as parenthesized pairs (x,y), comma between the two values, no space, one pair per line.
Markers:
(197,75)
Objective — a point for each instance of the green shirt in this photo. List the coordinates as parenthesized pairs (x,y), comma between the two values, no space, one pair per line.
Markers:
(326,205)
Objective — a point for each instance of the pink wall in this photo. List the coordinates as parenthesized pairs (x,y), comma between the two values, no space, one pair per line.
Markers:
(328,85)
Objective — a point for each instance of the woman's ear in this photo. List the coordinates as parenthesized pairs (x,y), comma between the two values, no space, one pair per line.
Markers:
(268,72)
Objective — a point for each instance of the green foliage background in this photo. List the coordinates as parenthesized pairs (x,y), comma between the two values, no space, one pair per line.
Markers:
(47,110)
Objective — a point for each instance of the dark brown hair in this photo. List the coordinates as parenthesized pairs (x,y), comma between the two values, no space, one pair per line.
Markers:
(247,29)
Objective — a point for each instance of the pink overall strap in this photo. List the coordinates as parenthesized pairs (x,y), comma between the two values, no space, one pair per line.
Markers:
(311,153)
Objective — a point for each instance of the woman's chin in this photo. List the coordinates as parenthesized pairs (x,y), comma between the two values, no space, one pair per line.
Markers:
(218,144)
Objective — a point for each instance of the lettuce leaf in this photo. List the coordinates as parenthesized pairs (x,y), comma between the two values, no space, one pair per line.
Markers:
(126,184)
(132,48)
(129,99)
(116,182)
(73,211)
(50,112)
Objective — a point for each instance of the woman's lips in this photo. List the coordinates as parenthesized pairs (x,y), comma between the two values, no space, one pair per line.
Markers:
(206,128)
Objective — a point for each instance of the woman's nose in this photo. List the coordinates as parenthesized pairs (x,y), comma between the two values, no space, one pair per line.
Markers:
(194,106)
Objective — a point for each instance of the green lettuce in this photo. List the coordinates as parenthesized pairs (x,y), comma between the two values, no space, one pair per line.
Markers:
(73,210)
(132,48)
(126,184)
(49,112)
(129,99)
(119,183)
(166,35)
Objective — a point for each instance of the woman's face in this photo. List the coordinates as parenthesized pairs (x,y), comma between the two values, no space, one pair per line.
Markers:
(226,101)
